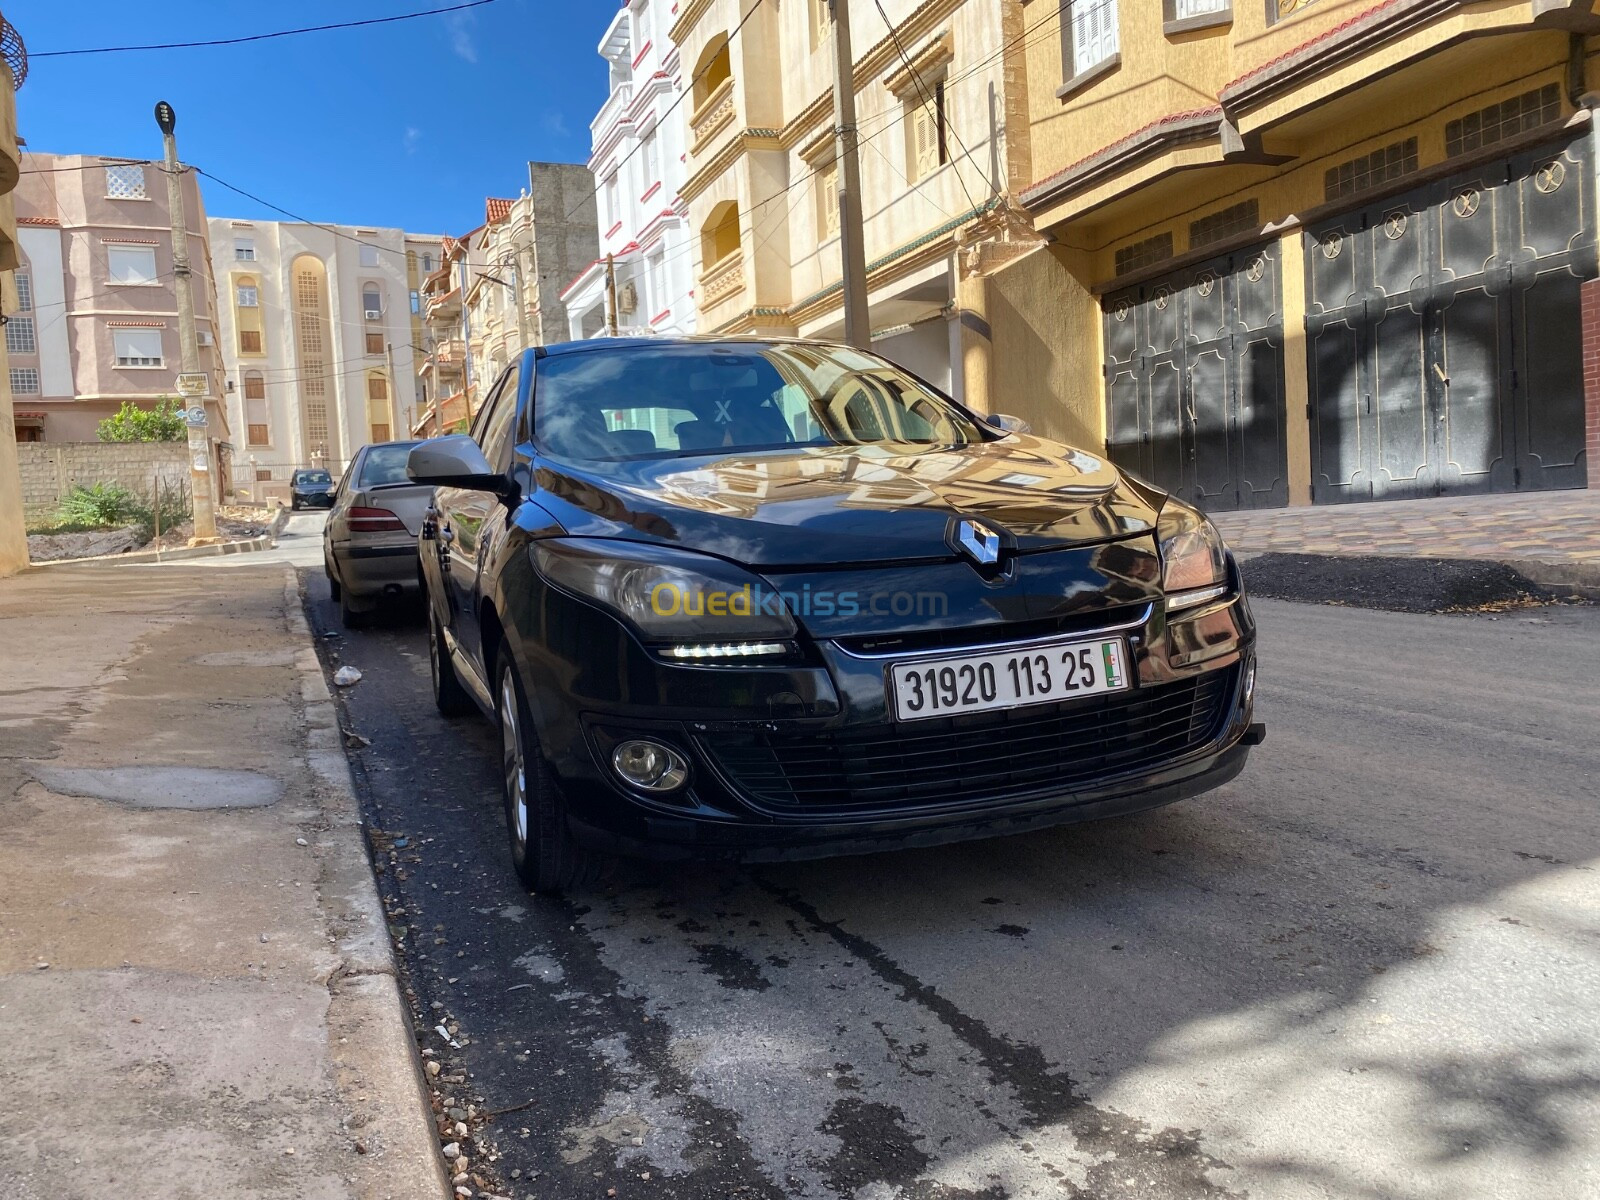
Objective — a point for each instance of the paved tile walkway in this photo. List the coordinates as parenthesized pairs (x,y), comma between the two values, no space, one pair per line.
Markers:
(1553,526)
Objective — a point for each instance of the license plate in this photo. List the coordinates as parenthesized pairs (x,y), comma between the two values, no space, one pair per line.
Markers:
(968,683)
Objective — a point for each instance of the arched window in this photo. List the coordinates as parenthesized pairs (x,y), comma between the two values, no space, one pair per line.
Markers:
(247,313)
(719,236)
(714,68)
(371,301)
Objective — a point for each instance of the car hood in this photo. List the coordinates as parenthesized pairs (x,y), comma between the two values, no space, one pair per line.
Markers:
(843,505)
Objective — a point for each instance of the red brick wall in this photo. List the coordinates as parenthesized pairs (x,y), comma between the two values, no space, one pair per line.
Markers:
(1591,378)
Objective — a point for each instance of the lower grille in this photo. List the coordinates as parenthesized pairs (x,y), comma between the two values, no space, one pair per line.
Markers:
(985,756)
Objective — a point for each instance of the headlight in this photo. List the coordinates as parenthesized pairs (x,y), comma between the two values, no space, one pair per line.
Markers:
(1194,564)
(699,602)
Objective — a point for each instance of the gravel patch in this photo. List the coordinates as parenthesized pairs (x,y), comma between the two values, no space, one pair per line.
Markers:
(1418,585)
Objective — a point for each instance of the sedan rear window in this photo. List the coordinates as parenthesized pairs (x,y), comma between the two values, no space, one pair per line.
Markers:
(313,477)
(386,465)
(675,401)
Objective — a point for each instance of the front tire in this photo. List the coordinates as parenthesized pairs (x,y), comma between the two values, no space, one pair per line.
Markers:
(545,857)
(294,506)
(449,697)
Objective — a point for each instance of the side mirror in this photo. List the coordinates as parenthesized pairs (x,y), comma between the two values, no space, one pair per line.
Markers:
(455,461)
(1009,424)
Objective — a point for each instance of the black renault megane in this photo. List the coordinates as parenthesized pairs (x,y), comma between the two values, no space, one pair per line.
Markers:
(765,598)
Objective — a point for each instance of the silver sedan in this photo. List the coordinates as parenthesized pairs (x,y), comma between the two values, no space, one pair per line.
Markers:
(369,545)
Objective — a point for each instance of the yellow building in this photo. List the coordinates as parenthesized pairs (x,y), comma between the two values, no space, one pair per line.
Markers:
(1306,250)
(943,136)
(13,541)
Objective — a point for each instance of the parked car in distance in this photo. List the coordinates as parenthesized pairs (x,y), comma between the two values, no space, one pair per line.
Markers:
(310,488)
(763,598)
(369,544)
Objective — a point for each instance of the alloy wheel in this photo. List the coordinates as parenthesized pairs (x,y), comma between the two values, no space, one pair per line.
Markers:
(516,774)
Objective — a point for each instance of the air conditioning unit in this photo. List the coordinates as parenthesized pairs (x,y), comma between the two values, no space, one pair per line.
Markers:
(374,314)
(206,339)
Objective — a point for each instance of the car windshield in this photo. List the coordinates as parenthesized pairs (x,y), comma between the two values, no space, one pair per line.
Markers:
(314,477)
(385,465)
(679,400)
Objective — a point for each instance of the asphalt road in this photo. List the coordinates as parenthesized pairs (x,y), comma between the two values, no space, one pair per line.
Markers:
(1368,968)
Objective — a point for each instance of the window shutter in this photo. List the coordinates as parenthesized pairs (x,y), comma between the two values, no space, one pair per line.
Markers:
(830,199)
(925,139)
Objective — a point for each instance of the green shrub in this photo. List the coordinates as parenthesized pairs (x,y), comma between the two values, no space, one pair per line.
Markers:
(102,506)
(163,423)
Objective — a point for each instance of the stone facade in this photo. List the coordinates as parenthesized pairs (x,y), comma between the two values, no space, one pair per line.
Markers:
(50,470)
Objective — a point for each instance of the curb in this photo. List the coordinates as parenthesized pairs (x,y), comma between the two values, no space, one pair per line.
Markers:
(1572,577)
(264,542)
(365,1004)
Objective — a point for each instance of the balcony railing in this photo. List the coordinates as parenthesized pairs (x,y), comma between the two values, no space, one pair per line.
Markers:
(1277,10)
(723,279)
(621,96)
(712,115)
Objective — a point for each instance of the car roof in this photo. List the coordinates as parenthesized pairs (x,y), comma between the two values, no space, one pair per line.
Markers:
(594,345)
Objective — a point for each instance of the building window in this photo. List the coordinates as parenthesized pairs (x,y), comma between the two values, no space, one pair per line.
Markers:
(24,381)
(137,347)
(427,264)
(375,343)
(613,205)
(263,474)
(828,201)
(1244,217)
(416,303)
(1144,254)
(821,23)
(1500,122)
(378,407)
(1089,35)
(652,160)
(255,408)
(249,341)
(656,278)
(1198,10)
(125,182)
(927,136)
(720,237)
(369,254)
(244,249)
(371,302)
(249,295)
(24,292)
(20,337)
(131,264)
(1371,170)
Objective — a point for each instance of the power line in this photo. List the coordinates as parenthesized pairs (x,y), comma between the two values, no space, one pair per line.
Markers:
(261,37)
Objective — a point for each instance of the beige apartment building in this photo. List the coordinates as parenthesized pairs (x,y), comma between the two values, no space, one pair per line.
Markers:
(320,329)
(943,136)
(13,541)
(96,316)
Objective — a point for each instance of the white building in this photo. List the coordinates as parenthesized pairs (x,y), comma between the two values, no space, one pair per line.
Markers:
(639,160)
(319,326)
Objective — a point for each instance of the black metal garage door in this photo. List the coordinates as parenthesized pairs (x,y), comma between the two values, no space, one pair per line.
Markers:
(1444,335)
(1194,382)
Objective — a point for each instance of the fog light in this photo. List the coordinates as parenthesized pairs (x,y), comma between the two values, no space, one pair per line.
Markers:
(650,765)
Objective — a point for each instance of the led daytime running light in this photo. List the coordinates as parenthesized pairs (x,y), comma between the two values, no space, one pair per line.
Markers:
(726,650)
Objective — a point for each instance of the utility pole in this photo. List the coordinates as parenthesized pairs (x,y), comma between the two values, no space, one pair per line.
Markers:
(522,303)
(394,390)
(193,384)
(852,247)
(611,295)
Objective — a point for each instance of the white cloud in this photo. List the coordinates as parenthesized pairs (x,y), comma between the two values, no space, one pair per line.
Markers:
(412,137)
(460,27)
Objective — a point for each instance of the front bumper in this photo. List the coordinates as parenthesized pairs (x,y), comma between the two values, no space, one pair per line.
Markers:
(1042,765)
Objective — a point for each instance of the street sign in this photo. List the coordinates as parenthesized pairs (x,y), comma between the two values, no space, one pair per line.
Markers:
(192,384)
(195,418)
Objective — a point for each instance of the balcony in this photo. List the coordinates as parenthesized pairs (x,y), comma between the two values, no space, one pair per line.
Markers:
(723,280)
(442,306)
(616,104)
(714,115)
(446,361)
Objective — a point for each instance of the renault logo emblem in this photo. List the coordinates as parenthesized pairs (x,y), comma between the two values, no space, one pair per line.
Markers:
(981,543)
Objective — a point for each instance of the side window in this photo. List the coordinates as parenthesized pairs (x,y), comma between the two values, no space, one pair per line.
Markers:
(493,434)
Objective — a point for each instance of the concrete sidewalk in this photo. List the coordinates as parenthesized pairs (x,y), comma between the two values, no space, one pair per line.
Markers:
(1551,537)
(195,975)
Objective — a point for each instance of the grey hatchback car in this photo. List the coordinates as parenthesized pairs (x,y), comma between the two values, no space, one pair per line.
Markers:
(369,545)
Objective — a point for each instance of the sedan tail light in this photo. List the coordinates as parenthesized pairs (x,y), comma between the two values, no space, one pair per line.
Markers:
(374,520)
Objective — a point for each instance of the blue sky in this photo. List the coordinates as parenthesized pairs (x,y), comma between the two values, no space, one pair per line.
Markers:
(410,124)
